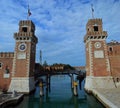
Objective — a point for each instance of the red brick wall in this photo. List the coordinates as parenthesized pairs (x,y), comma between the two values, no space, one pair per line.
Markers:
(7,61)
(114,57)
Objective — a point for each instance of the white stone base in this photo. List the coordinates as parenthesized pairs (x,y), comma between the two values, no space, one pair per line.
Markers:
(22,84)
(92,82)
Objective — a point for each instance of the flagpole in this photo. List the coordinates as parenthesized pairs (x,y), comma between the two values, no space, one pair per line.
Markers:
(28,11)
(92,11)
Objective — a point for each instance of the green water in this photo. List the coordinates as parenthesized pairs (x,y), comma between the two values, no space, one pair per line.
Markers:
(60,97)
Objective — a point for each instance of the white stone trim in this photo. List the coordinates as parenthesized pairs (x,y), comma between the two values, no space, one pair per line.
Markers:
(22,84)
(94,40)
(90,59)
(28,59)
(106,58)
(14,64)
(23,40)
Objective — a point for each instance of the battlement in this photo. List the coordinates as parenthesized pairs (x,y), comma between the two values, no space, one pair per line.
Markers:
(95,35)
(94,30)
(24,34)
(94,21)
(6,54)
(113,43)
(27,23)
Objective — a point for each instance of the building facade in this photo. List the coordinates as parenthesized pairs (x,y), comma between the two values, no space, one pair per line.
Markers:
(21,63)
(99,61)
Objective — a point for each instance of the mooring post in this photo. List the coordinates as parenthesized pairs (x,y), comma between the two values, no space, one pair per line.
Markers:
(72,81)
(49,78)
(48,81)
(75,89)
(41,88)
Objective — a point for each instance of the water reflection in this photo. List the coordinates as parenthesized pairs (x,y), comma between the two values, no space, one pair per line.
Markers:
(60,97)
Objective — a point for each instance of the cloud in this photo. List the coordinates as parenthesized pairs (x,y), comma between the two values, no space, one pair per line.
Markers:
(60,25)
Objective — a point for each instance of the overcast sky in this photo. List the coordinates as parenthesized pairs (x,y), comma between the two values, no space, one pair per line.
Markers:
(60,26)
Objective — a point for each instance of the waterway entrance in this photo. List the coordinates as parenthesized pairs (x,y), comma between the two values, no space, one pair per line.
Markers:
(60,96)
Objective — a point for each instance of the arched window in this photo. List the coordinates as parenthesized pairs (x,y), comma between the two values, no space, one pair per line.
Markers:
(7,70)
(0,65)
(110,49)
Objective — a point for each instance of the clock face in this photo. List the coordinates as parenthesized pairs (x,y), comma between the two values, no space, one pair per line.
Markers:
(97,45)
(22,46)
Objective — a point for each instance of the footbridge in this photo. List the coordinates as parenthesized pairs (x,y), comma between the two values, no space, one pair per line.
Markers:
(44,79)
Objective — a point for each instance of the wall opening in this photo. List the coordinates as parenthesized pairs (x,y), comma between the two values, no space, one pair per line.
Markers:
(0,65)
(95,28)
(24,29)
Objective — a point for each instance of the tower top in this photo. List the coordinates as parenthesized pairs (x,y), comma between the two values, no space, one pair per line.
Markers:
(26,30)
(26,23)
(97,21)
(26,26)
(95,30)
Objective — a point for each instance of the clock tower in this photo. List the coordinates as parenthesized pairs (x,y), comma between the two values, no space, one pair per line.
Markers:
(24,58)
(98,73)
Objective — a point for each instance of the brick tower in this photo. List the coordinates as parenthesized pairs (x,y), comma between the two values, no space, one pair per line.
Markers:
(98,73)
(24,58)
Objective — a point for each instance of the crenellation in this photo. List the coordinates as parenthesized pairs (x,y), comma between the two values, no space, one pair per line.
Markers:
(23,34)
(94,21)
(27,23)
(6,54)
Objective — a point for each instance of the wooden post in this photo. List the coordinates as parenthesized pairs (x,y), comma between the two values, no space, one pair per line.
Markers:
(72,81)
(49,78)
(48,81)
(75,90)
(41,89)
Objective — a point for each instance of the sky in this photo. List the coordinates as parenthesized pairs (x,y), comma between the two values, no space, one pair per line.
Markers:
(60,26)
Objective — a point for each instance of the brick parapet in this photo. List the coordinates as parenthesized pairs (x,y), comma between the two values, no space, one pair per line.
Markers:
(93,21)
(6,54)
(26,22)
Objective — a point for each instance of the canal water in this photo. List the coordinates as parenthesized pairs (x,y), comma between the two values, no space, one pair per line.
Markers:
(60,96)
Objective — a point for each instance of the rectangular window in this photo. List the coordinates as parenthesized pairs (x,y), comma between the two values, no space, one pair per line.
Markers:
(95,28)
(24,29)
